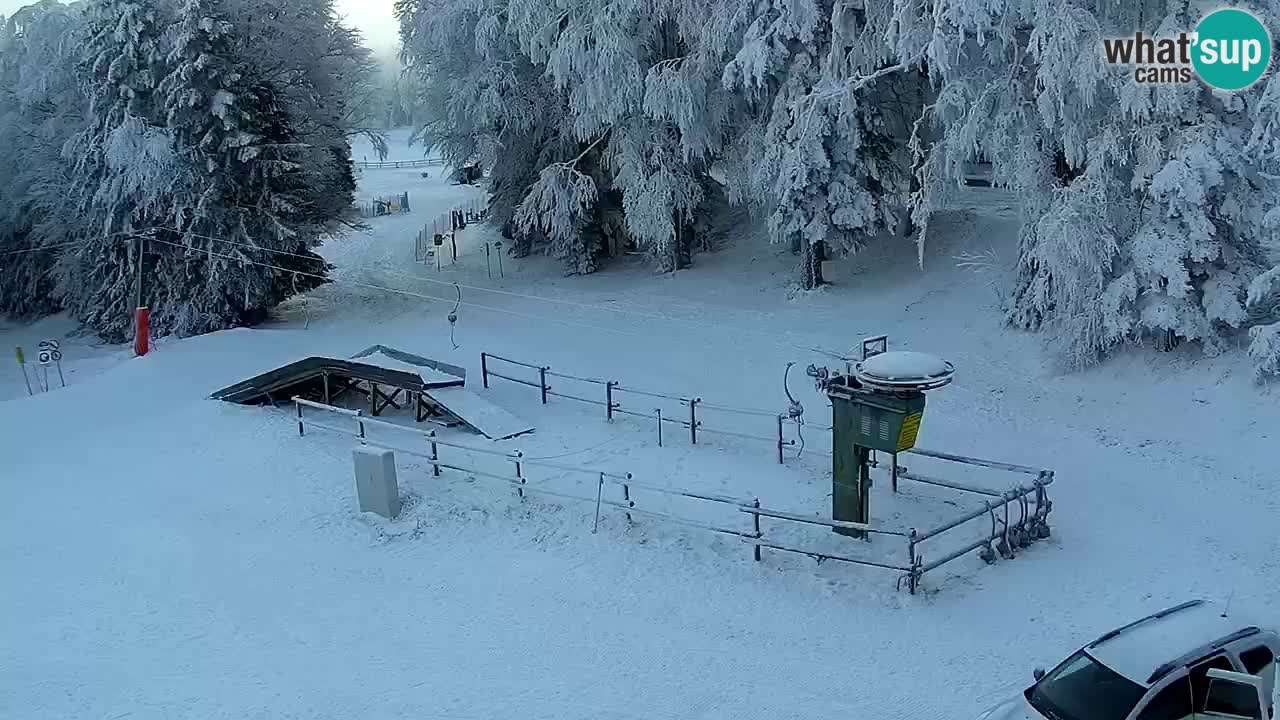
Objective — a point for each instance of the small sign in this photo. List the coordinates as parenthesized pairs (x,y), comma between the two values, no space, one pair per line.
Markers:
(50,352)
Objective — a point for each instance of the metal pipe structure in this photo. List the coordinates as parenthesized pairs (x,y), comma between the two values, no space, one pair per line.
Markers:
(514,362)
(646,393)
(846,524)
(1029,522)
(593,381)
(567,396)
(1007,467)
(819,556)
(904,474)
(514,380)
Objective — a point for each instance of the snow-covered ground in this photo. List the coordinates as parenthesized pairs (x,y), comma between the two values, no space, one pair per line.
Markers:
(166,555)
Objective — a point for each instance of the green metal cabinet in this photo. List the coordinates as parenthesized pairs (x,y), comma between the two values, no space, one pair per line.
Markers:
(863,421)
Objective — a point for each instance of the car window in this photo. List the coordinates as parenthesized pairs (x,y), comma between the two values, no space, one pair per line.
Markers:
(1231,698)
(1255,659)
(1171,703)
(1200,677)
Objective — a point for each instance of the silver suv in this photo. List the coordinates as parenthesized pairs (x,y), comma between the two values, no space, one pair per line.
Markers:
(1193,660)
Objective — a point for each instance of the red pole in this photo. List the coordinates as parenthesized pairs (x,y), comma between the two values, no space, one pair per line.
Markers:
(141,330)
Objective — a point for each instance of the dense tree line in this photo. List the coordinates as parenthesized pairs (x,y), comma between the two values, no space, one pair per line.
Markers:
(1151,212)
(192,143)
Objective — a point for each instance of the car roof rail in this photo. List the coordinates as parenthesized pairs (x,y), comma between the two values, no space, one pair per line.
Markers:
(1201,652)
(1153,616)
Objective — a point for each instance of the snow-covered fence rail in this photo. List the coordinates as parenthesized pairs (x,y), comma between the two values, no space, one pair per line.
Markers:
(384,205)
(629,489)
(625,485)
(425,162)
(689,417)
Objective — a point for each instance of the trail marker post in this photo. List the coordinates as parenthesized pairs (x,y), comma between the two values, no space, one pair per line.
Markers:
(22,363)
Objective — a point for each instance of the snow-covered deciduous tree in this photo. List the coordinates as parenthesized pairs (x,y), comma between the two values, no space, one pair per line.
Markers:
(599,122)
(1140,200)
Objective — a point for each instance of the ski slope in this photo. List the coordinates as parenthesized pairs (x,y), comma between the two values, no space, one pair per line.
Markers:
(170,556)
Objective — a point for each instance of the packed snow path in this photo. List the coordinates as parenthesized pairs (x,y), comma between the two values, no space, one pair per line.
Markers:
(170,556)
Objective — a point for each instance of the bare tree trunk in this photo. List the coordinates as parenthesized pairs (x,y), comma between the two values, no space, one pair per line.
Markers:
(811,264)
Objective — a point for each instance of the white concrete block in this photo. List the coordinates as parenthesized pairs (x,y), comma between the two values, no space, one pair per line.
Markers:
(376,487)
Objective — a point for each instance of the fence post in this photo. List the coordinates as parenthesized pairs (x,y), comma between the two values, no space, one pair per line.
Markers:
(488,271)
(299,406)
(913,580)
(755,518)
(484,370)
(435,454)
(608,399)
(519,475)
(599,491)
(693,420)
(659,411)
(779,440)
(542,382)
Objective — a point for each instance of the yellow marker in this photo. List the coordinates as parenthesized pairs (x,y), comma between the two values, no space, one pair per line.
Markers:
(910,429)
(21,359)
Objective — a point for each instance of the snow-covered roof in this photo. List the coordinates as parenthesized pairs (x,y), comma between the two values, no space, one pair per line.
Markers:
(392,359)
(904,365)
(904,369)
(1138,651)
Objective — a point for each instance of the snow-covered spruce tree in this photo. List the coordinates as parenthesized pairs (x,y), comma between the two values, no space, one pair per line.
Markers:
(41,107)
(325,77)
(1139,201)
(245,229)
(829,153)
(1263,302)
(124,172)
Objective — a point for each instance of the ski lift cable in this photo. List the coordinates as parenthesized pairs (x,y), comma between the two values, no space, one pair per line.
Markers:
(55,246)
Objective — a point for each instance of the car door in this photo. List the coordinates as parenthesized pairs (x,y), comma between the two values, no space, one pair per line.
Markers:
(1199,674)
(1232,696)
(1259,659)
(1183,691)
